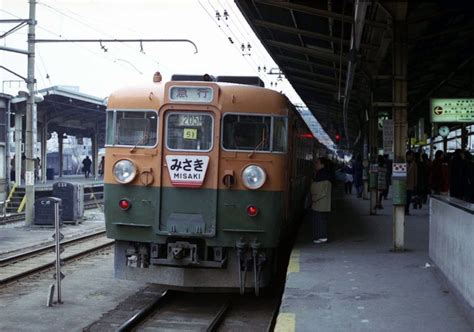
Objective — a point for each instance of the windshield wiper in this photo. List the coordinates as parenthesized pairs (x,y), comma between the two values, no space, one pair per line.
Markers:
(261,143)
(141,141)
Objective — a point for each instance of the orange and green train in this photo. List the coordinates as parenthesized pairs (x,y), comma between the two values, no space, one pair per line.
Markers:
(203,180)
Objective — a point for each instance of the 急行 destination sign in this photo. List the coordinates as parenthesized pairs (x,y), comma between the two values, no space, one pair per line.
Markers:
(452,110)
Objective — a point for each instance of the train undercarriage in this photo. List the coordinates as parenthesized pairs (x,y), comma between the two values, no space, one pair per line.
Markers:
(188,265)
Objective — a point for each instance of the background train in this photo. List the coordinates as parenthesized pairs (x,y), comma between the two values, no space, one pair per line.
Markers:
(203,179)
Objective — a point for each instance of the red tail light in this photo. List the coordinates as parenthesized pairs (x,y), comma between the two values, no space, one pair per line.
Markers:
(252,210)
(124,204)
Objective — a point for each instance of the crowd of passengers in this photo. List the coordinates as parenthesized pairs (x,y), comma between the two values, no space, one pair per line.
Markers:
(448,174)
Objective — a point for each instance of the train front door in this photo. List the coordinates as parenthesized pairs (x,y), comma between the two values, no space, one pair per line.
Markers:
(189,179)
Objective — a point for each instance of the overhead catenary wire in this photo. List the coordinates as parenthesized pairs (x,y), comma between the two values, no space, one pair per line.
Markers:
(227,36)
(92,28)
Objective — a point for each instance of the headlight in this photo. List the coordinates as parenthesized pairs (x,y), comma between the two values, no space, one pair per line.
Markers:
(253,177)
(124,171)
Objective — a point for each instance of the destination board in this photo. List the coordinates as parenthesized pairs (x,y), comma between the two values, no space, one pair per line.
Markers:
(194,94)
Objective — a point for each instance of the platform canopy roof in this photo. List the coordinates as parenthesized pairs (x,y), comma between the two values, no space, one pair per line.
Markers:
(66,110)
(333,51)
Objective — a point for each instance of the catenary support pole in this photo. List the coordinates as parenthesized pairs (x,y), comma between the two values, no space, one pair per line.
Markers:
(30,118)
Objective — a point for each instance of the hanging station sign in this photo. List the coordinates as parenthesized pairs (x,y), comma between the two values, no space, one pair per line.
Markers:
(452,110)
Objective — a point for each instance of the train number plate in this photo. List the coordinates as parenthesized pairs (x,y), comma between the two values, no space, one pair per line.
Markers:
(187,171)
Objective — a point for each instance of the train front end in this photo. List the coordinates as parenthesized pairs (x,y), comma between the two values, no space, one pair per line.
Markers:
(195,183)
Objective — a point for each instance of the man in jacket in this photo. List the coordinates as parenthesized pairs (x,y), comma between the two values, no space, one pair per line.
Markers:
(412,180)
(321,200)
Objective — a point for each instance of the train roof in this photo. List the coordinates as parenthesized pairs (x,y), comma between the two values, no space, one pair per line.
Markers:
(155,95)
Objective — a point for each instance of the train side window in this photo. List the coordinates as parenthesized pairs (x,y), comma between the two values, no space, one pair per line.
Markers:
(280,134)
(109,139)
(189,131)
(132,128)
(246,132)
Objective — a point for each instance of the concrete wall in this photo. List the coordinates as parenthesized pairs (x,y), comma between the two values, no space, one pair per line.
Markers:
(451,244)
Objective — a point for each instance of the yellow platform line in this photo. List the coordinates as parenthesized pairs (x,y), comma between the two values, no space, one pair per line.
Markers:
(294,264)
(286,322)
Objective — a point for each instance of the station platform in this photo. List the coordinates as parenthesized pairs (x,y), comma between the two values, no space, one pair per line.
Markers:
(356,283)
(90,182)
(17,237)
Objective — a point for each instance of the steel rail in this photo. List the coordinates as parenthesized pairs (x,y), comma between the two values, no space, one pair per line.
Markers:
(218,318)
(141,315)
(14,258)
(47,266)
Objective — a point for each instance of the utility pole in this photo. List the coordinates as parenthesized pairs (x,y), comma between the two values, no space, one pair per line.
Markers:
(30,118)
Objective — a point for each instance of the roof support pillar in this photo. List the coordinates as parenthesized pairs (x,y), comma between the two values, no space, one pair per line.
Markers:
(399,66)
(60,152)
(18,142)
(95,155)
(44,151)
(373,152)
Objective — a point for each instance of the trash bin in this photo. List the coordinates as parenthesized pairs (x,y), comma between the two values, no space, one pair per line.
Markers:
(49,173)
(44,211)
(72,196)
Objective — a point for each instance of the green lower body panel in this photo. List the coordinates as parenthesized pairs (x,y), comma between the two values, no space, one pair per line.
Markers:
(218,217)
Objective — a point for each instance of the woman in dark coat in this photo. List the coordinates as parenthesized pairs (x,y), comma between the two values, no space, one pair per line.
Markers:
(357,170)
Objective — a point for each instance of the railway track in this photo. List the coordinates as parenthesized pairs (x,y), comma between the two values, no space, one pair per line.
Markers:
(19,266)
(155,309)
(88,205)
(162,313)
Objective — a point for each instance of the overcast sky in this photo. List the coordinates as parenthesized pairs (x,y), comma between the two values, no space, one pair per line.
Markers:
(100,69)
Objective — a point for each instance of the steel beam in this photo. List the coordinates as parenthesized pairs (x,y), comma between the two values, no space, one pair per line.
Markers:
(313,83)
(309,73)
(14,50)
(317,12)
(304,62)
(307,33)
(323,55)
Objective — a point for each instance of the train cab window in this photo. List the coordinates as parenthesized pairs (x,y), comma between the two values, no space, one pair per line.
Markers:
(189,131)
(132,128)
(246,132)
(280,134)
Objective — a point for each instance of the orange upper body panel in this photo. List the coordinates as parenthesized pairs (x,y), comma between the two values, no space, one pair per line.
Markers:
(227,98)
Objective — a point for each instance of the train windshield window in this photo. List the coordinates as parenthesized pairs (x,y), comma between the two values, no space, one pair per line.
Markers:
(246,132)
(132,128)
(280,134)
(189,131)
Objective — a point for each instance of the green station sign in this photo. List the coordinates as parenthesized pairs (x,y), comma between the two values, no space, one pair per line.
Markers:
(452,110)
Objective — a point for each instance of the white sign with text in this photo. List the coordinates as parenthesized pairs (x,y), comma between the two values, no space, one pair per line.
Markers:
(187,171)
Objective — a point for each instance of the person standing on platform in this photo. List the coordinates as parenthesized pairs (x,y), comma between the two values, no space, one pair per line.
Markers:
(388,176)
(470,178)
(348,179)
(427,165)
(436,176)
(101,166)
(457,172)
(321,200)
(412,180)
(381,181)
(86,166)
(357,169)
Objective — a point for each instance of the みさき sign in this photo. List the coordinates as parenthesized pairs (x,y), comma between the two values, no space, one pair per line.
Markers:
(187,171)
